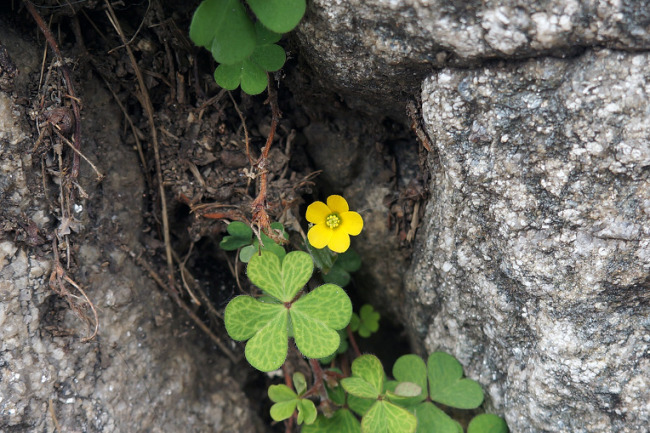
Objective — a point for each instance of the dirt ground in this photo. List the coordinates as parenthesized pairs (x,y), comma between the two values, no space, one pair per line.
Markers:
(181,159)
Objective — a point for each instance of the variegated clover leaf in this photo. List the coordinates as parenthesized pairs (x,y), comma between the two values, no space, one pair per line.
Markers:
(311,319)
(383,416)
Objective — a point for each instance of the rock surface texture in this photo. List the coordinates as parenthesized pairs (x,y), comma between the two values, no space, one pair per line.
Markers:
(142,372)
(376,52)
(533,262)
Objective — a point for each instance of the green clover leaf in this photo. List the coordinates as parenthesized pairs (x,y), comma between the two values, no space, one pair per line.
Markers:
(447,386)
(343,421)
(287,401)
(250,73)
(313,320)
(487,423)
(366,322)
(383,416)
(223,27)
(280,279)
(281,16)
(442,375)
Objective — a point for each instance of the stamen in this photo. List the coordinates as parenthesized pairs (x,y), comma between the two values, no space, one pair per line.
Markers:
(333,221)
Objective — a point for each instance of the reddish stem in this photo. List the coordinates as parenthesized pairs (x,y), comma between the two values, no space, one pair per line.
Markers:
(353,341)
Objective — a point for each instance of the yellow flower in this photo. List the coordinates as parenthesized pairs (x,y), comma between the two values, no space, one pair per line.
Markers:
(333,224)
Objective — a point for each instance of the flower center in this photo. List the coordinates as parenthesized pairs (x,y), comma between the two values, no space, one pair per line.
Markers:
(333,221)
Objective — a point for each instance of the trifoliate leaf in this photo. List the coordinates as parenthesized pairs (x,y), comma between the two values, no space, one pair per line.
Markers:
(317,316)
(447,386)
(343,421)
(281,280)
(386,417)
(432,419)
(487,423)
(369,321)
(281,16)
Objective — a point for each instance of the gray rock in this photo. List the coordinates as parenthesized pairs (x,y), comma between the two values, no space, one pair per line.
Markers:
(375,52)
(147,370)
(532,267)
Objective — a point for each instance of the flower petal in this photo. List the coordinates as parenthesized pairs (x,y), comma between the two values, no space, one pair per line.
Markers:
(320,235)
(340,241)
(317,212)
(337,204)
(351,223)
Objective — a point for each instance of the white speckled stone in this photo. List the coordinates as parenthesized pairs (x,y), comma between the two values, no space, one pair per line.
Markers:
(379,50)
(533,265)
(146,370)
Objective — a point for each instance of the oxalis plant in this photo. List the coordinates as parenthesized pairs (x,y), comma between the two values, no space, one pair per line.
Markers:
(311,312)
(245,49)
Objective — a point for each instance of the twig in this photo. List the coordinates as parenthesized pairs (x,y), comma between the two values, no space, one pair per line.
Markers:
(146,102)
(66,76)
